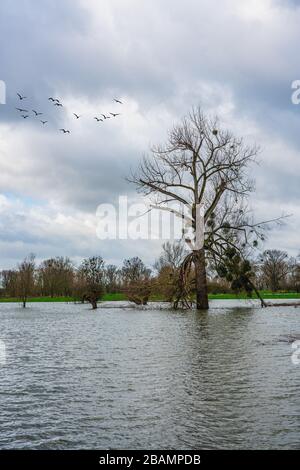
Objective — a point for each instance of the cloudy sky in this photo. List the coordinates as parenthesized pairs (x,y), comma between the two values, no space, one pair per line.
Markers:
(236,58)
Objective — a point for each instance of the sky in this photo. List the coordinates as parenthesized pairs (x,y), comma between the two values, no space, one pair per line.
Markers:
(234,58)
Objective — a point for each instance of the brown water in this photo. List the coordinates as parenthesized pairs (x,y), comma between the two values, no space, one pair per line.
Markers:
(130,378)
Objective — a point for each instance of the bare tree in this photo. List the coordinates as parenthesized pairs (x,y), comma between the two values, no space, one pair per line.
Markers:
(9,281)
(294,279)
(25,278)
(56,276)
(92,277)
(79,287)
(134,270)
(172,255)
(137,284)
(202,164)
(275,267)
(112,277)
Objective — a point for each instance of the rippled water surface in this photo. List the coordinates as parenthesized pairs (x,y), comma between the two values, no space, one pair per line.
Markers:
(128,378)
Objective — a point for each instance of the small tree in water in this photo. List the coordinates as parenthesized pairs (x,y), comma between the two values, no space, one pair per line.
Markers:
(137,284)
(168,270)
(25,278)
(92,276)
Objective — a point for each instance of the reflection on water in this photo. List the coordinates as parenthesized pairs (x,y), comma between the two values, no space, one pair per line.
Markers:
(130,378)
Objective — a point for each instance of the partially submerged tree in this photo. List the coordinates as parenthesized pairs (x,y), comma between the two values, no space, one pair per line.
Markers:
(92,274)
(139,292)
(167,283)
(137,284)
(203,165)
(25,278)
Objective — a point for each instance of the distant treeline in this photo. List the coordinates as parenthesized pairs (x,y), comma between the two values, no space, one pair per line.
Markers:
(273,270)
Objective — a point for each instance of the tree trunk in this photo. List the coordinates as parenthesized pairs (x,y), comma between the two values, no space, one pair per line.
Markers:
(201,281)
(262,302)
(94,303)
(284,304)
(92,299)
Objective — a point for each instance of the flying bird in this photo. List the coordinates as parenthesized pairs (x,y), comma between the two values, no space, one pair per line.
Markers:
(54,100)
(114,115)
(21,97)
(117,101)
(44,122)
(77,116)
(58,104)
(36,113)
(65,131)
(98,119)
(105,117)
(22,110)
(24,117)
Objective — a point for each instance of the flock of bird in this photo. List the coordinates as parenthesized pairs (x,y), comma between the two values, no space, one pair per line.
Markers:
(25,113)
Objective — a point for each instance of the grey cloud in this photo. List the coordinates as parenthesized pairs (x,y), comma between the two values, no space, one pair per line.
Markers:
(163,57)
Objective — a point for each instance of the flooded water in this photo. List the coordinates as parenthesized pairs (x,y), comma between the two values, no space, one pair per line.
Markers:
(126,378)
